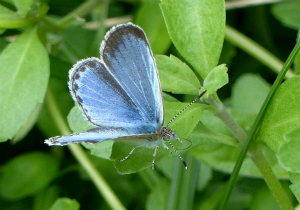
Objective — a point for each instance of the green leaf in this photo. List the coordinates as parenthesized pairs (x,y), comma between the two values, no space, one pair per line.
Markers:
(158,198)
(249,92)
(6,13)
(197,29)
(141,158)
(216,147)
(65,204)
(71,52)
(216,79)
(175,76)
(150,18)
(27,174)
(24,77)
(45,198)
(62,95)
(23,6)
(288,151)
(223,157)
(288,13)
(295,186)
(282,114)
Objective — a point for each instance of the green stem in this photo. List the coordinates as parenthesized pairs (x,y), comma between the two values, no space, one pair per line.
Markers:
(254,130)
(80,154)
(80,11)
(226,118)
(183,185)
(255,50)
(96,177)
(25,22)
(271,180)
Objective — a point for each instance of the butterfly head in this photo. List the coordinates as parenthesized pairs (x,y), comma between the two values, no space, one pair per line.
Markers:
(168,134)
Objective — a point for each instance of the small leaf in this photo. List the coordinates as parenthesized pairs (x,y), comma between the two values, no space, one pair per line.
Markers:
(288,13)
(24,77)
(175,76)
(249,92)
(149,17)
(65,204)
(216,79)
(295,186)
(6,13)
(288,152)
(197,29)
(23,6)
(27,174)
(282,114)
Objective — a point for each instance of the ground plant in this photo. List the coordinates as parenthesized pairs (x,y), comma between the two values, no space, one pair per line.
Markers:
(240,140)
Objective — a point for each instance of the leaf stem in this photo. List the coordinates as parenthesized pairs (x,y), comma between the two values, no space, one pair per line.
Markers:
(80,11)
(255,50)
(80,155)
(24,22)
(271,180)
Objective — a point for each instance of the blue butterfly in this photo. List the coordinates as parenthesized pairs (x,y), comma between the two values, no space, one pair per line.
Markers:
(120,93)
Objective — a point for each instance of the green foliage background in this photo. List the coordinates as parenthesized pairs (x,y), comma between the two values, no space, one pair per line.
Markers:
(41,40)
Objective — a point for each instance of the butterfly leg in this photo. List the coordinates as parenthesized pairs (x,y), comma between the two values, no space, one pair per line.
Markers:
(154,154)
(125,158)
(185,165)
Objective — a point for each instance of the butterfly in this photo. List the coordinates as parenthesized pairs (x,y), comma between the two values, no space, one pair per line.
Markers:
(120,93)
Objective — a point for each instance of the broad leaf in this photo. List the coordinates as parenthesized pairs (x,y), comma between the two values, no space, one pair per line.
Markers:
(288,152)
(149,17)
(27,174)
(24,77)
(282,114)
(197,29)
(248,93)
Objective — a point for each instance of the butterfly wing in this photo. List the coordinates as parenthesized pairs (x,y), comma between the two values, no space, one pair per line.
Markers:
(120,93)
(128,55)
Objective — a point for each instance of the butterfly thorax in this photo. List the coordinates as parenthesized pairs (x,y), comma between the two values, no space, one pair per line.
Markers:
(168,134)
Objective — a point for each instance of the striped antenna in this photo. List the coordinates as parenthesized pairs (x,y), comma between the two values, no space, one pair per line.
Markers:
(196,99)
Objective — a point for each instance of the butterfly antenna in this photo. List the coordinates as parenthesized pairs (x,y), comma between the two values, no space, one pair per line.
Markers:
(196,99)
(184,163)
(186,140)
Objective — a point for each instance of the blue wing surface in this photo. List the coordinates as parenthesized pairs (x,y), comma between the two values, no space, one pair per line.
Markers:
(127,54)
(103,101)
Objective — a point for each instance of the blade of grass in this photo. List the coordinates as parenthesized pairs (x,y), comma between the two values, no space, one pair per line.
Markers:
(183,184)
(281,198)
